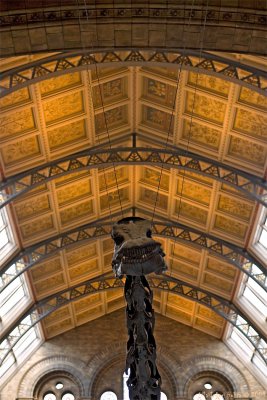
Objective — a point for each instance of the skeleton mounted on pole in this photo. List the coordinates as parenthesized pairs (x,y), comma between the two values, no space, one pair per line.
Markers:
(137,254)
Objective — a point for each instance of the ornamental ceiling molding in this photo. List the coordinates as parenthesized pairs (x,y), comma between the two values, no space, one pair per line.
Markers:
(178,13)
(200,62)
(222,307)
(233,254)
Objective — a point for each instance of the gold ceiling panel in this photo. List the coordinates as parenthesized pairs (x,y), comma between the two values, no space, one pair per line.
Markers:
(215,265)
(59,327)
(245,150)
(158,92)
(107,244)
(252,98)
(42,226)
(88,302)
(100,72)
(208,327)
(16,98)
(45,269)
(23,149)
(110,92)
(230,226)
(32,206)
(153,176)
(114,198)
(179,315)
(183,271)
(80,253)
(60,314)
(170,73)
(208,108)
(235,207)
(250,123)
(75,191)
(68,134)
(50,285)
(151,198)
(54,85)
(111,119)
(113,294)
(90,314)
(157,119)
(203,135)
(70,177)
(223,286)
(16,123)
(63,107)
(191,212)
(83,210)
(193,191)
(115,304)
(210,83)
(180,302)
(207,313)
(110,178)
(186,253)
(84,271)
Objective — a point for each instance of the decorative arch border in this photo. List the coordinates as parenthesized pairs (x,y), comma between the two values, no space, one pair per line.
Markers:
(114,352)
(73,366)
(64,62)
(195,365)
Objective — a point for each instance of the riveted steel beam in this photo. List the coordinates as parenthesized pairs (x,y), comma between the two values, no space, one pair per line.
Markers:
(252,186)
(43,308)
(62,63)
(101,228)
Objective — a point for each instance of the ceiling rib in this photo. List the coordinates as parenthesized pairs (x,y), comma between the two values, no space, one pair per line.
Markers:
(102,228)
(231,70)
(222,307)
(176,158)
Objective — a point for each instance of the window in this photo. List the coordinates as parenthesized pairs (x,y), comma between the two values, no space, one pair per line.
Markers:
(7,244)
(199,396)
(57,386)
(217,396)
(263,234)
(108,396)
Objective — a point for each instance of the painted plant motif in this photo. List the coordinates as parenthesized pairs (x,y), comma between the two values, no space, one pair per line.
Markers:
(137,254)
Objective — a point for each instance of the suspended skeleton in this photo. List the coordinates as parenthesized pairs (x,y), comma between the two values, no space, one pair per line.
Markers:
(137,254)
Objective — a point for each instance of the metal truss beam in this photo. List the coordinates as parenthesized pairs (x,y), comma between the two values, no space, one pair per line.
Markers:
(43,308)
(166,229)
(65,62)
(252,186)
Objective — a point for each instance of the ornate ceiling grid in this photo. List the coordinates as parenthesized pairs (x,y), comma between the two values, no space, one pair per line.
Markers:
(64,115)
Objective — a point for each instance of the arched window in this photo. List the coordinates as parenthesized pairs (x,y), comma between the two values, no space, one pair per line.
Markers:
(163,396)
(57,386)
(108,396)
(199,396)
(209,385)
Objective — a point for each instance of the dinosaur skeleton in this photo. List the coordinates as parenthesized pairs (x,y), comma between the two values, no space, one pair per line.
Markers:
(137,254)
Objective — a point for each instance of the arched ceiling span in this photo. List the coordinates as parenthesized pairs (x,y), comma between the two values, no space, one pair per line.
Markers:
(204,114)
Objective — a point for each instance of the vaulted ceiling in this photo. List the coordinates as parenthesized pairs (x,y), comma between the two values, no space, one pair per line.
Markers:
(167,108)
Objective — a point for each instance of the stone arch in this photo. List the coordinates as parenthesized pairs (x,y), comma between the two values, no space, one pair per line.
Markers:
(196,365)
(72,366)
(77,24)
(116,352)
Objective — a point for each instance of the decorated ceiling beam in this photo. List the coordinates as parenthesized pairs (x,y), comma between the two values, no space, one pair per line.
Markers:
(61,63)
(101,228)
(252,186)
(43,308)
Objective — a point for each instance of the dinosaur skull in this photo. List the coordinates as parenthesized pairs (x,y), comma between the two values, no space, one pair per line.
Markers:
(136,252)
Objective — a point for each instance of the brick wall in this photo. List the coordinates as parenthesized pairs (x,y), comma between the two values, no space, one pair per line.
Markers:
(94,353)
